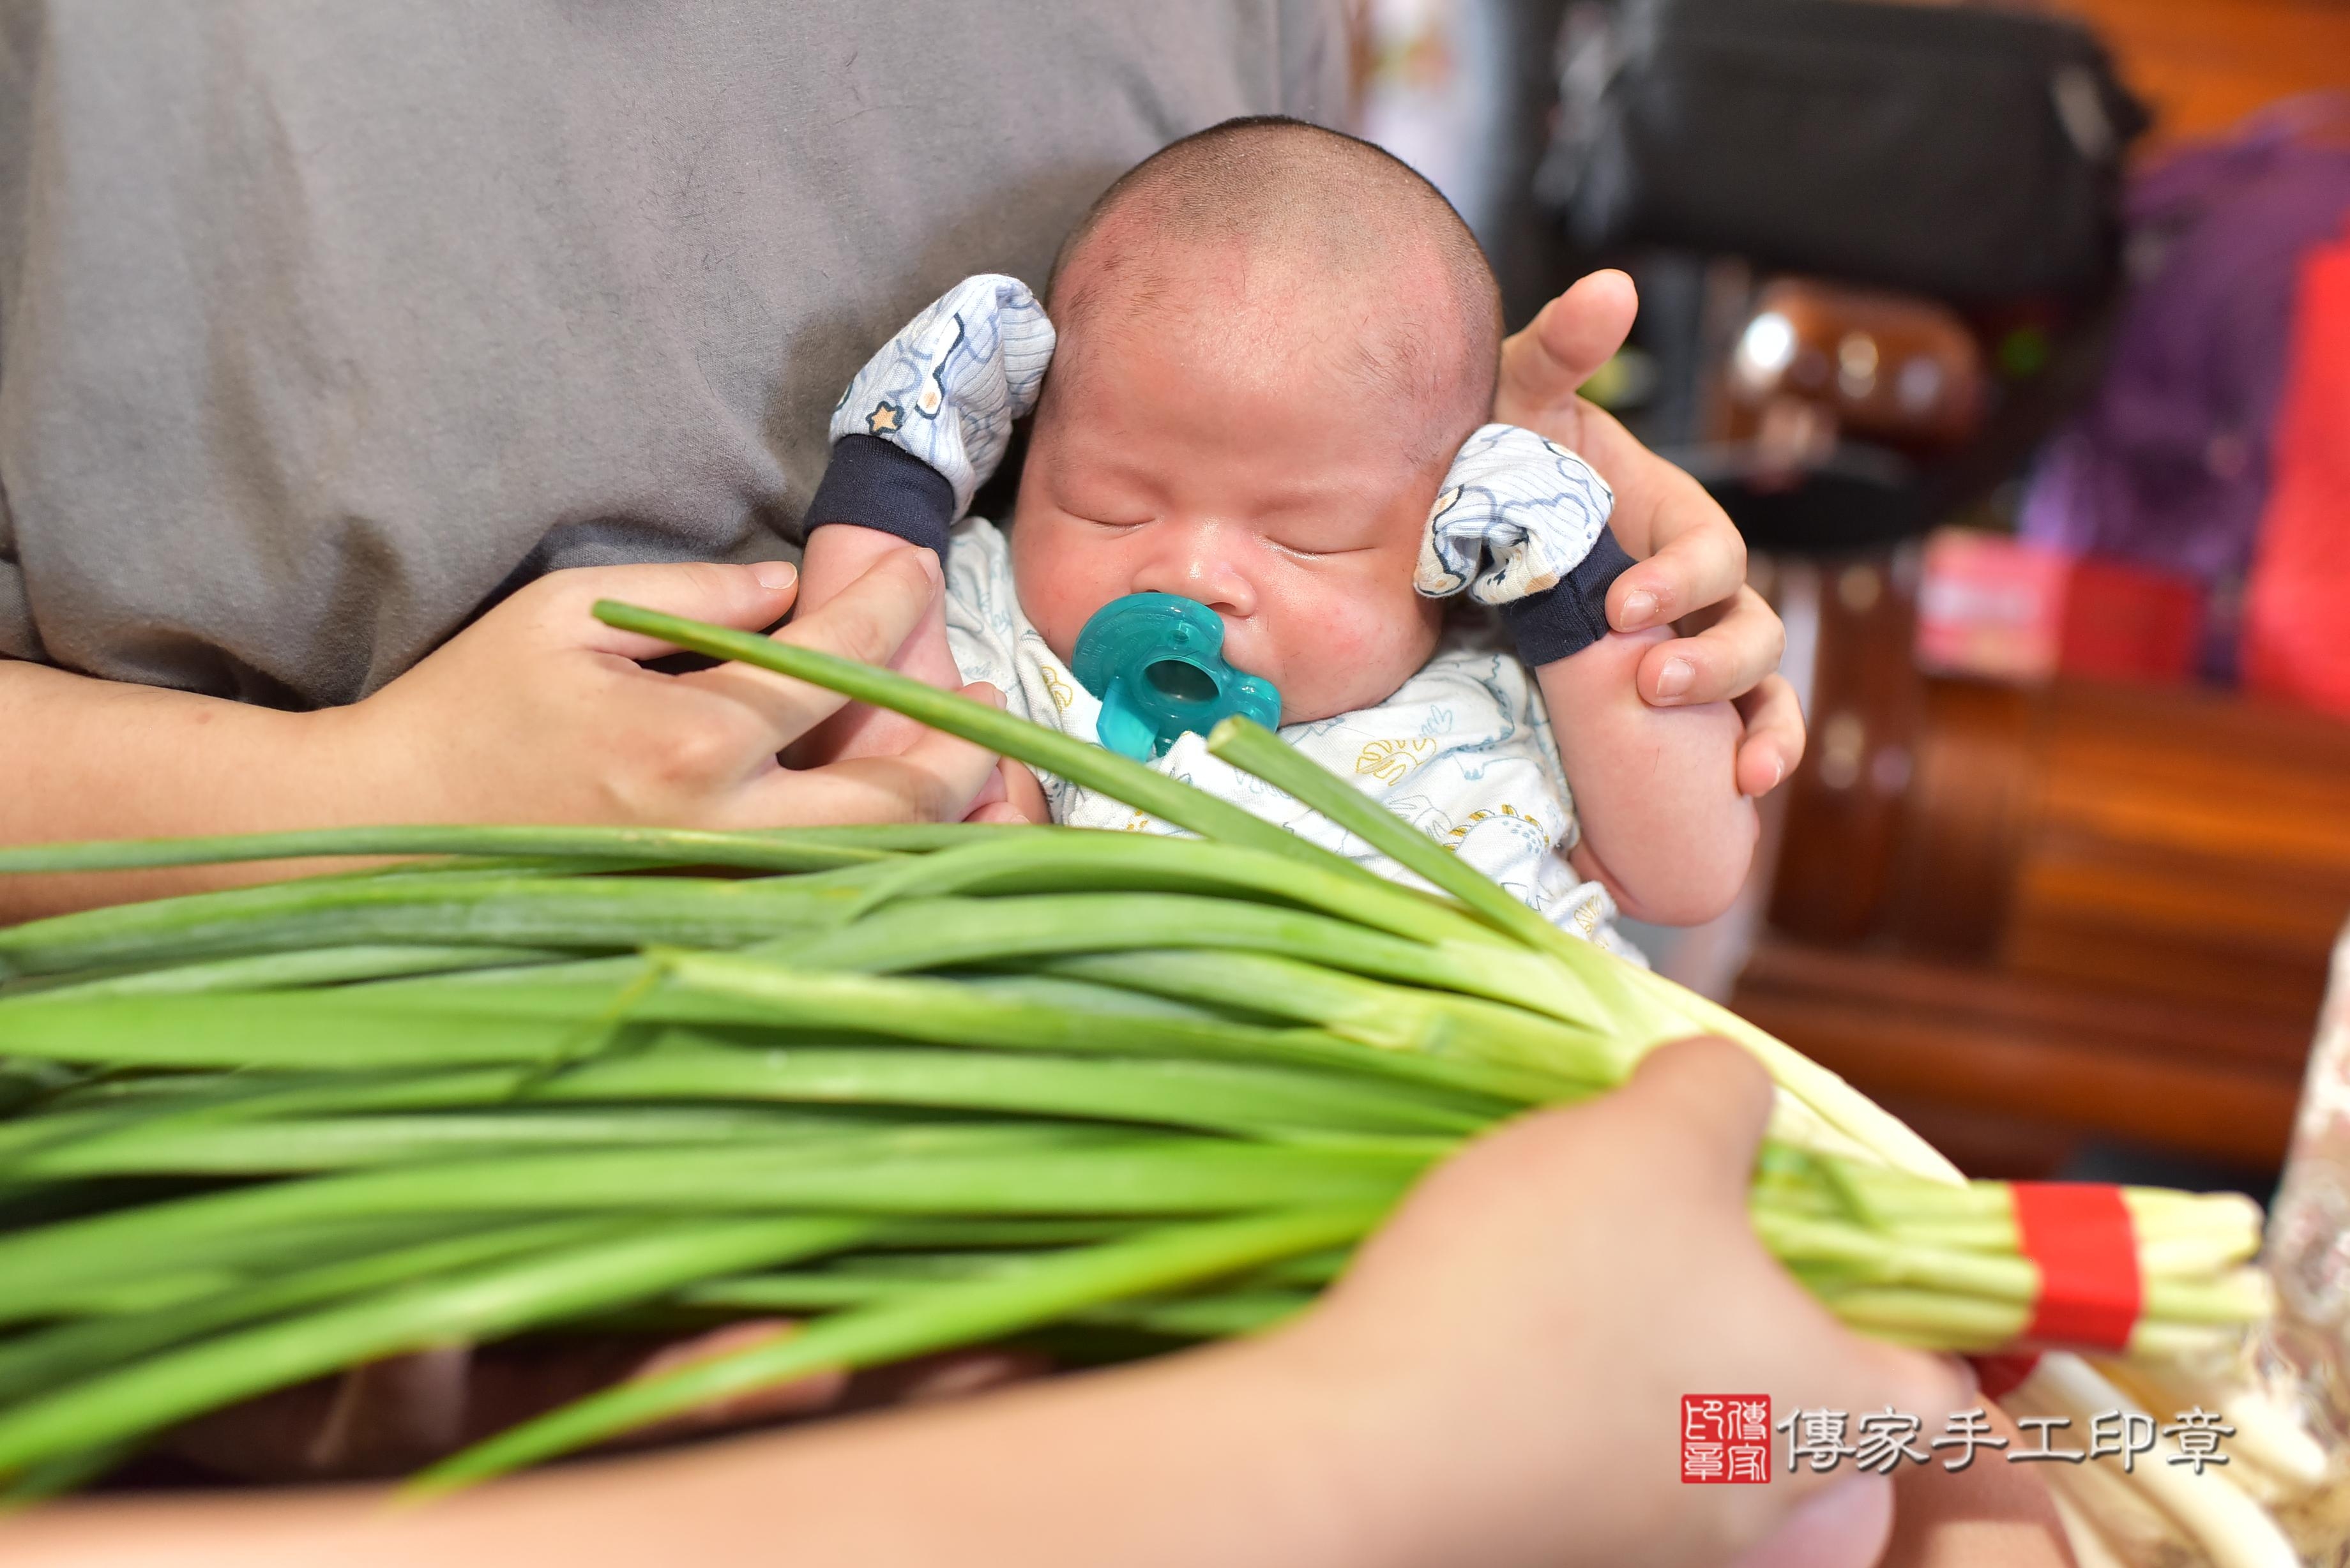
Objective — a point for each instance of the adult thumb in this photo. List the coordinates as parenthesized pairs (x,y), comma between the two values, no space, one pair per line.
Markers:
(1568,340)
(1714,1100)
(1845,1525)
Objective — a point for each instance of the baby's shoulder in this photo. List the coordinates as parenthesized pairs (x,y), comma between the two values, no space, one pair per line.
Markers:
(975,528)
(980,543)
(1467,702)
(979,568)
(1471,670)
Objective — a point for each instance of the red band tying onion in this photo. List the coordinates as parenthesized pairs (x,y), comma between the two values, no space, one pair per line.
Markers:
(2080,1236)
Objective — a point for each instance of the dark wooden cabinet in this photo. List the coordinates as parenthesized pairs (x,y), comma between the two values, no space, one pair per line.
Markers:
(2025,916)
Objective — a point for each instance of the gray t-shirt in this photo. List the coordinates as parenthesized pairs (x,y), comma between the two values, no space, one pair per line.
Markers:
(322,327)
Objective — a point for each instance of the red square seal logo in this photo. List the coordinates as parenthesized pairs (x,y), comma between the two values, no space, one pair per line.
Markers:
(1726,1437)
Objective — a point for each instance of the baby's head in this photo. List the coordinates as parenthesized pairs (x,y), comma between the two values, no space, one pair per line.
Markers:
(1273,340)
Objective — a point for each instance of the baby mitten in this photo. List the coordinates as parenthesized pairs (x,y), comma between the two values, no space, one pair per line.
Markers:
(1522,524)
(922,426)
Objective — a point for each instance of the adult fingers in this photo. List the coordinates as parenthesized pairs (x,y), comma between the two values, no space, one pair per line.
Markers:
(800,1396)
(866,621)
(870,619)
(1558,351)
(940,776)
(1844,1526)
(992,790)
(1774,742)
(745,597)
(1982,1513)
(1727,659)
(1692,556)
(934,780)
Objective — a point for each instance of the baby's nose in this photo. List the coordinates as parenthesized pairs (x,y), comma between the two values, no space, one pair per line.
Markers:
(1197,562)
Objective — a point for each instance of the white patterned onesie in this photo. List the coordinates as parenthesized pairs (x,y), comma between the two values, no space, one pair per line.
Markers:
(1462,751)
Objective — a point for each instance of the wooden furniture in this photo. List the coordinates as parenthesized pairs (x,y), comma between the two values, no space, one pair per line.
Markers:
(2024,917)
(2201,65)
(2021,917)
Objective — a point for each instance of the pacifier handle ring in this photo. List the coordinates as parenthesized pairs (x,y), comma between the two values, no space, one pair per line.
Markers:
(1130,654)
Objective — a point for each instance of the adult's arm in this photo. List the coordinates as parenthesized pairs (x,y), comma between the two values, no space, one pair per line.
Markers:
(1497,1380)
(105,759)
(1691,561)
(538,712)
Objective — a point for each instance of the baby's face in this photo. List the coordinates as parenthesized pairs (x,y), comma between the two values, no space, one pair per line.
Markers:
(1244,470)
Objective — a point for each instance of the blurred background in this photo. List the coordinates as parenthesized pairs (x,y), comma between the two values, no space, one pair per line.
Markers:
(2017,340)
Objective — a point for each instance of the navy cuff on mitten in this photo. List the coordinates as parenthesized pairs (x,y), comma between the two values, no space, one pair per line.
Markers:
(874,485)
(1570,618)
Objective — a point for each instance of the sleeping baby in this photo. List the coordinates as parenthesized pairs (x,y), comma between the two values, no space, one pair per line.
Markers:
(1263,386)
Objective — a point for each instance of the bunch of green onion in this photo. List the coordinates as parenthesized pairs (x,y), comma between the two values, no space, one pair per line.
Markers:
(927,1086)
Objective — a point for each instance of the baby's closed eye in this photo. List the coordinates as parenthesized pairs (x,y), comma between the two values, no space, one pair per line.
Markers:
(1314,543)
(1105,508)
(1105,500)
(1319,525)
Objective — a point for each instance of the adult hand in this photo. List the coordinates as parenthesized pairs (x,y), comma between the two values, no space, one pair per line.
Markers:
(539,712)
(1519,1337)
(1691,561)
(837,555)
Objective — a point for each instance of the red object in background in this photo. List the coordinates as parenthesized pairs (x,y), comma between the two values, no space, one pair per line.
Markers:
(1991,606)
(2125,622)
(2002,610)
(2297,641)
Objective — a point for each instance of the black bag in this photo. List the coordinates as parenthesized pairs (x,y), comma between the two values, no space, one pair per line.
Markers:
(1955,151)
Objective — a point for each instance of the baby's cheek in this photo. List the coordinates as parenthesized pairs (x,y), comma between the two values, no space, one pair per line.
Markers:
(1349,649)
(1057,588)
(1345,638)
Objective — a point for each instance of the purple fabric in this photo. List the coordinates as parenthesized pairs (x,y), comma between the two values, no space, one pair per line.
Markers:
(2169,464)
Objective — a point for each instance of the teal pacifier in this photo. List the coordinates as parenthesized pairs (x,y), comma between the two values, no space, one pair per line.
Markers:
(1157,663)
